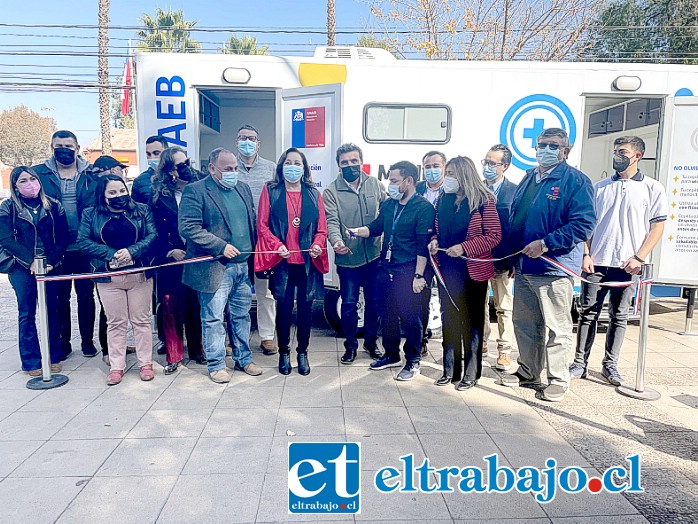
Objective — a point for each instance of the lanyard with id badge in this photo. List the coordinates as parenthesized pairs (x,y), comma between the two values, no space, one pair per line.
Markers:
(396,218)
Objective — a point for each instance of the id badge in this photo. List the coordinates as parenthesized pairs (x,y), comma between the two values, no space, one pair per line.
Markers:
(388,254)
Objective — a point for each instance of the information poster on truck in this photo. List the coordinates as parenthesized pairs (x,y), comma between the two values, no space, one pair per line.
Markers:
(679,255)
(308,128)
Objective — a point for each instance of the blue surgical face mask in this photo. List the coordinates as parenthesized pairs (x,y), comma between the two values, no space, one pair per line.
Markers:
(247,147)
(450,185)
(546,157)
(490,173)
(229,179)
(394,192)
(433,175)
(293,174)
(153,163)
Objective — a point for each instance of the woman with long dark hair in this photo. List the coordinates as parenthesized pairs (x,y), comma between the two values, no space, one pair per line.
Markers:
(32,226)
(467,224)
(179,304)
(119,233)
(292,251)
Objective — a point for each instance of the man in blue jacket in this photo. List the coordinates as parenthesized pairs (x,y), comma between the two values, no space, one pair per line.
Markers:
(552,214)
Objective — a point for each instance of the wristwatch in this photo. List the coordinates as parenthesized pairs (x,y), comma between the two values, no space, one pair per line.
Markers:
(543,246)
(418,276)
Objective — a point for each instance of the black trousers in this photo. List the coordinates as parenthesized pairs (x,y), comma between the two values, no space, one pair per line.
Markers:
(462,328)
(296,288)
(401,306)
(58,298)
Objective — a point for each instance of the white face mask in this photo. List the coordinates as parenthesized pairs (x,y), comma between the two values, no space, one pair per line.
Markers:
(450,185)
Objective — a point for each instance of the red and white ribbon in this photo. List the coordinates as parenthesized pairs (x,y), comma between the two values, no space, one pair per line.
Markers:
(121,272)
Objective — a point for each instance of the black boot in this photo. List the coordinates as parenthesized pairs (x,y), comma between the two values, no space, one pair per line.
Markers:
(303,364)
(348,357)
(284,363)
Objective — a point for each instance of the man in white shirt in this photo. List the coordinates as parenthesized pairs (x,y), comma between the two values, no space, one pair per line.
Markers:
(631,209)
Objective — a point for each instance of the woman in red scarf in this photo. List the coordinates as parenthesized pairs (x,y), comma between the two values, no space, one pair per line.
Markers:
(292,251)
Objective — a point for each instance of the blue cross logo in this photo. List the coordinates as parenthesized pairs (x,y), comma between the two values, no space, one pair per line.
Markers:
(520,129)
(534,132)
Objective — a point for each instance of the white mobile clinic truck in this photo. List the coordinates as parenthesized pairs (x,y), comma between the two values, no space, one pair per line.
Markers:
(400,109)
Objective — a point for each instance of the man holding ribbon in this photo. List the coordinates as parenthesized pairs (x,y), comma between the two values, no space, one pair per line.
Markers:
(406,222)
(353,200)
(217,218)
(552,215)
(631,209)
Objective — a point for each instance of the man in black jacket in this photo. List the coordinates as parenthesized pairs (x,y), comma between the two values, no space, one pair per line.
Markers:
(495,163)
(406,222)
(217,218)
(66,177)
(142,190)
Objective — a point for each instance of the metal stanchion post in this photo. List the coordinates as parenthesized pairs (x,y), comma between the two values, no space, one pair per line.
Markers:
(640,392)
(690,308)
(47,381)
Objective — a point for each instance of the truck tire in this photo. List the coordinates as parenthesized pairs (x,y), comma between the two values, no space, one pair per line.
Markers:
(333,312)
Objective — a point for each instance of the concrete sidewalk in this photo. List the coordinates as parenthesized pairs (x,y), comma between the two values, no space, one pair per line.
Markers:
(183,449)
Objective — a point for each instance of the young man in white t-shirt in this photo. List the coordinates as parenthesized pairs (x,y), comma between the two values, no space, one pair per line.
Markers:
(631,209)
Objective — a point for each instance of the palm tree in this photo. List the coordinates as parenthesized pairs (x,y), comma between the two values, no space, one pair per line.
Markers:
(103,74)
(167,32)
(243,46)
(331,35)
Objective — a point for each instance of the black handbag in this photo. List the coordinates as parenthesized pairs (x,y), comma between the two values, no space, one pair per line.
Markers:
(7,260)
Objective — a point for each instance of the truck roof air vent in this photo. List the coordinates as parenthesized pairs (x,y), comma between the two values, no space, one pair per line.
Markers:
(353,53)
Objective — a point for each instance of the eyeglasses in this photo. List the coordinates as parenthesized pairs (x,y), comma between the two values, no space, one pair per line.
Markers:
(491,163)
(250,138)
(552,147)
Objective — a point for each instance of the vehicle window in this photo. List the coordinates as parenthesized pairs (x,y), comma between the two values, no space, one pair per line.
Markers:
(407,123)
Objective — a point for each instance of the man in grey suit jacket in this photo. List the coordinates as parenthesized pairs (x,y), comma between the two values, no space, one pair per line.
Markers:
(217,218)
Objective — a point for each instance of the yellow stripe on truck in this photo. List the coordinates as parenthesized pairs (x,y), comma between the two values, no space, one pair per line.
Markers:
(319,74)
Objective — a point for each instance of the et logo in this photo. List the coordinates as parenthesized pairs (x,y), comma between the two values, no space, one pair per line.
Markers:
(324,477)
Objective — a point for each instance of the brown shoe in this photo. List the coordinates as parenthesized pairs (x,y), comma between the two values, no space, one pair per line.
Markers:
(35,373)
(253,369)
(268,347)
(56,368)
(503,362)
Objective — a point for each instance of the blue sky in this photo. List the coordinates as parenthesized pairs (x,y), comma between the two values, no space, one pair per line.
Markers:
(77,110)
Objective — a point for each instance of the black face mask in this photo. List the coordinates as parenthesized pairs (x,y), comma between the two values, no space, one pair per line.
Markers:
(184,172)
(620,163)
(351,173)
(119,202)
(64,156)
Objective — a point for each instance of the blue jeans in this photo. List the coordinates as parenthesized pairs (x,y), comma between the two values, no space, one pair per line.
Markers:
(351,279)
(235,291)
(24,285)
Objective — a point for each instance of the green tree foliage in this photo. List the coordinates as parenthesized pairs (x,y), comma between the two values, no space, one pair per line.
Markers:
(645,31)
(25,136)
(246,45)
(167,32)
(379,43)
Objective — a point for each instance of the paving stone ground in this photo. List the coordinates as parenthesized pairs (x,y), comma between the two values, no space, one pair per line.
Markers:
(182,449)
